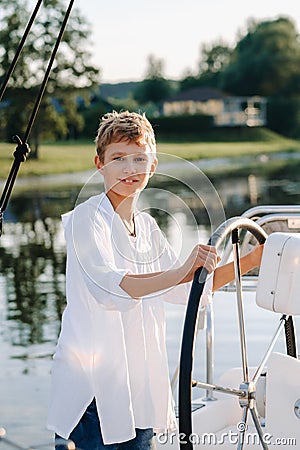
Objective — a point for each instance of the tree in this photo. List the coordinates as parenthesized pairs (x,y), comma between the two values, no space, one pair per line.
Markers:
(13,18)
(214,58)
(266,61)
(154,87)
(72,77)
(284,115)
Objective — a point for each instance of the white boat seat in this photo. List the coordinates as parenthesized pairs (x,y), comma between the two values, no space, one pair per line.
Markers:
(278,287)
(282,400)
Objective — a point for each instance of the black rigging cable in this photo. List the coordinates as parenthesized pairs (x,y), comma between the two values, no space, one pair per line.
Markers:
(47,73)
(19,49)
(22,148)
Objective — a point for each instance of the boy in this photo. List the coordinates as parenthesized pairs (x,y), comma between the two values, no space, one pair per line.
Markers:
(110,383)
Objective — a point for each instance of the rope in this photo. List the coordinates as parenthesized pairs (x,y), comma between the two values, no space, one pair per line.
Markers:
(290,337)
(20,155)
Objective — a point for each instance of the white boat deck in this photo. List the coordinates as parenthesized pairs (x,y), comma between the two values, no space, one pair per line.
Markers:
(217,424)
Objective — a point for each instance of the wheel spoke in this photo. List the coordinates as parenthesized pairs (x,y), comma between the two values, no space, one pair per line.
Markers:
(239,296)
(213,387)
(258,428)
(189,331)
(243,428)
(269,350)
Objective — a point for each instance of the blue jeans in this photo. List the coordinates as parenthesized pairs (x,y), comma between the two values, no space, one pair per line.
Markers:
(87,435)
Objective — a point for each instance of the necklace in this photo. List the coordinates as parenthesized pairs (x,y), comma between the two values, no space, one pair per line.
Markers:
(131,230)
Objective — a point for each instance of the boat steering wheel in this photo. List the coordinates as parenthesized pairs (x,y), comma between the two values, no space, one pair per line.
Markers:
(247,389)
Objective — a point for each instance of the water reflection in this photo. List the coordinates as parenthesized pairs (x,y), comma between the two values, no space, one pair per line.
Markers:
(32,250)
(32,281)
(33,263)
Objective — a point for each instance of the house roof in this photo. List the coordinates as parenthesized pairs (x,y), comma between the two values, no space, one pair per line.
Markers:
(200,94)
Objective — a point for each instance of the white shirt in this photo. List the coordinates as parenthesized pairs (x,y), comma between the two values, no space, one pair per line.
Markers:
(112,347)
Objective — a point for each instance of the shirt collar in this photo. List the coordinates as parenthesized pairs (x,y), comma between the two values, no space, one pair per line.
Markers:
(105,205)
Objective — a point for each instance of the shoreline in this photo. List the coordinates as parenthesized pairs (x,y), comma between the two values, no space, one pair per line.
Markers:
(174,167)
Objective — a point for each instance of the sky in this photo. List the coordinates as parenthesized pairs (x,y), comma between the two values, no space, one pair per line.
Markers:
(125,32)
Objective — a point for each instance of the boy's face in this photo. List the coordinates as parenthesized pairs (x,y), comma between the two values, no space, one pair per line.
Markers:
(126,168)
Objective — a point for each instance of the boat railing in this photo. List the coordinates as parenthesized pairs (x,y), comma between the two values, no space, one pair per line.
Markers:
(263,215)
(287,218)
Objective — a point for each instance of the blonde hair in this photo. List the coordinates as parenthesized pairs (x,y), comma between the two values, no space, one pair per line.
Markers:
(124,126)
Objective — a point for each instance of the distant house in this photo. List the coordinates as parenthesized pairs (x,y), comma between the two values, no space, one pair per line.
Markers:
(225,109)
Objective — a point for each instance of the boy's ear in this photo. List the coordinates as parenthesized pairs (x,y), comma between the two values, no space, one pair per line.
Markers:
(153,167)
(98,163)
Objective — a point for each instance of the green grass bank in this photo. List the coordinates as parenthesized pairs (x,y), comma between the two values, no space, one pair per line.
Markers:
(75,156)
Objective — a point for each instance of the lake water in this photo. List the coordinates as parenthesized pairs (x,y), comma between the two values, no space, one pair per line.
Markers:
(33,293)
